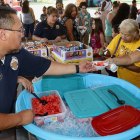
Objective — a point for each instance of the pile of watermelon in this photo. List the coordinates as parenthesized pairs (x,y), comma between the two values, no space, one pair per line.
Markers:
(99,63)
(53,105)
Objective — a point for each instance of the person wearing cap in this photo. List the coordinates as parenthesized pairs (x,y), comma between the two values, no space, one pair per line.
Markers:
(16,61)
(133,10)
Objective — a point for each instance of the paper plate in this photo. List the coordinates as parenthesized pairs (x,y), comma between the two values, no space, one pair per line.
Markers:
(99,65)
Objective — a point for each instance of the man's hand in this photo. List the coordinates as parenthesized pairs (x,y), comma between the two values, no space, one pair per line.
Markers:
(26,83)
(86,66)
(11,120)
(25,117)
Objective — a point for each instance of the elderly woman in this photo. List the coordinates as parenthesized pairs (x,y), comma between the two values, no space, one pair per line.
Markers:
(49,29)
(68,20)
(124,43)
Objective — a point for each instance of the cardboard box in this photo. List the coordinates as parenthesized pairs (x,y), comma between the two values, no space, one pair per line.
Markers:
(43,52)
(74,53)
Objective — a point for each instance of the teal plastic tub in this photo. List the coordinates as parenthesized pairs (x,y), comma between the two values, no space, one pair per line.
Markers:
(70,83)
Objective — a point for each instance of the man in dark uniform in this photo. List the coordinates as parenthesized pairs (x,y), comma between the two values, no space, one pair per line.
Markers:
(50,29)
(16,61)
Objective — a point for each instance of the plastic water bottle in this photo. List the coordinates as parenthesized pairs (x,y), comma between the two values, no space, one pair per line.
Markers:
(113,67)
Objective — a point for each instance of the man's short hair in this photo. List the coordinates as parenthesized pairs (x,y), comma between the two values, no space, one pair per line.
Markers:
(6,18)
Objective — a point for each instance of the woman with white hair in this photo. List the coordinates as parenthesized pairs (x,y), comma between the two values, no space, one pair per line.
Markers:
(125,43)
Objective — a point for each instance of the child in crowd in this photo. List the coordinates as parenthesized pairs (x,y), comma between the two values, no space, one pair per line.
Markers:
(59,7)
(44,14)
(97,39)
(25,83)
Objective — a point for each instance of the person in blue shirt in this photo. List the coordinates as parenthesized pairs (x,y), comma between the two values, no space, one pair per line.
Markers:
(15,62)
(50,29)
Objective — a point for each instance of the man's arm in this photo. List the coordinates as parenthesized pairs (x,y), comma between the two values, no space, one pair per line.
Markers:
(12,120)
(31,65)
(60,69)
(37,38)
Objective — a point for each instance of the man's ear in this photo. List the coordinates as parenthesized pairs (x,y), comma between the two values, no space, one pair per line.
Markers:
(2,35)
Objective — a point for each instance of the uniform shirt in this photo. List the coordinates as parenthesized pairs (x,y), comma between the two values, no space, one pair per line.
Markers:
(126,48)
(43,30)
(23,64)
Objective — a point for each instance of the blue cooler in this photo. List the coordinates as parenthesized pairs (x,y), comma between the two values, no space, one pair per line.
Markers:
(69,83)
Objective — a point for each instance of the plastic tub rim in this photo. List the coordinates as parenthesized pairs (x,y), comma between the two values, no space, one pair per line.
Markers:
(131,133)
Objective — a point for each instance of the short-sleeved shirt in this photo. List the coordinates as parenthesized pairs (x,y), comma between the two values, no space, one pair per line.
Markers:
(85,20)
(23,64)
(43,30)
(123,49)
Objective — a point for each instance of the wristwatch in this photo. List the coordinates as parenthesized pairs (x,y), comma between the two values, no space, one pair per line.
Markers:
(77,68)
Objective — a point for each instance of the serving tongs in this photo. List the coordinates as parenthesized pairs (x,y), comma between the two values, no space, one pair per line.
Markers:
(41,101)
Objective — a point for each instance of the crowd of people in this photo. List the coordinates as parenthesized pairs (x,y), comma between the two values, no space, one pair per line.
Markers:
(115,31)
